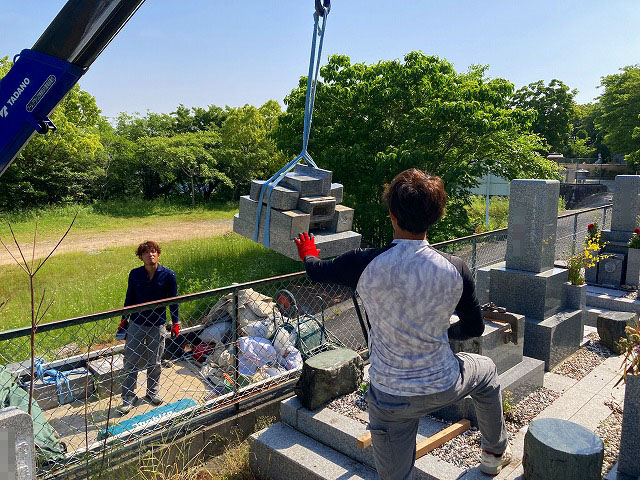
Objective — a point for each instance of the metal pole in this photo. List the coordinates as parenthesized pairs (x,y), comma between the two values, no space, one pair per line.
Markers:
(486,208)
(234,333)
(575,234)
(473,257)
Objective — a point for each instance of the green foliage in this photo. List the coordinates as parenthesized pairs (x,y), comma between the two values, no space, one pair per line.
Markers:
(619,112)
(373,121)
(58,167)
(553,105)
(586,139)
(508,404)
(498,213)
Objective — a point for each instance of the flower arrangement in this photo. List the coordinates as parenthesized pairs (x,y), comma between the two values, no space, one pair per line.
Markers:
(630,347)
(593,233)
(588,257)
(634,241)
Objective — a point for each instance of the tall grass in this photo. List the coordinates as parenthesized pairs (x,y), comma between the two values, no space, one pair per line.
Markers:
(110,215)
(83,283)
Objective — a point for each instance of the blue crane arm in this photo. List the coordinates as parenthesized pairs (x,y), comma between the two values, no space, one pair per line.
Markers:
(41,77)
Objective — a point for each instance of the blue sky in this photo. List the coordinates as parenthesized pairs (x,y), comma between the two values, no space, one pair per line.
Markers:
(201,52)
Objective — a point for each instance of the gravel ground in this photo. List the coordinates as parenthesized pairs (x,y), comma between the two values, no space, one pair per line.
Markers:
(463,450)
(585,359)
(609,431)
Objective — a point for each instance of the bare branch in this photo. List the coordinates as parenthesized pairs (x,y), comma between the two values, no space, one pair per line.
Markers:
(14,258)
(15,240)
(57,245)
(33,252)
(44,313)
(44,292)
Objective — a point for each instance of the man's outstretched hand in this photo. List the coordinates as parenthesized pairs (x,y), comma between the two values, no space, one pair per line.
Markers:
(306,246)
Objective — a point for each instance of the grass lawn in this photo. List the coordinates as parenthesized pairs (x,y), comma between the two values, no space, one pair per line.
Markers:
(82,283)
(108,216)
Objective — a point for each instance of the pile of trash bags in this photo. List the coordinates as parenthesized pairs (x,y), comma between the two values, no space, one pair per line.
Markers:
(266,343)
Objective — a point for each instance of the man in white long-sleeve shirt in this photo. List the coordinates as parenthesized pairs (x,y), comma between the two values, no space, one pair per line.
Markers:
(410,291)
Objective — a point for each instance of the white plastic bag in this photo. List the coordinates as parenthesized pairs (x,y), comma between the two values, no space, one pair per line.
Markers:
(284,339)
(256,349)
(215,333)
(261,328)
(290,358)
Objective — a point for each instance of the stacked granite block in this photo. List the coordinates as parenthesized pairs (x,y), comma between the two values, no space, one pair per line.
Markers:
(527,282)
(305,201)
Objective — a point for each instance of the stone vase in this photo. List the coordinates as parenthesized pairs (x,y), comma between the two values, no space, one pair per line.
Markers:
(632,276)
(628,459)
(591,274)
(576,296)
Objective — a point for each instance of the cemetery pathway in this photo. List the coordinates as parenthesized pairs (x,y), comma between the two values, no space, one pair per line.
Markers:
(92,242)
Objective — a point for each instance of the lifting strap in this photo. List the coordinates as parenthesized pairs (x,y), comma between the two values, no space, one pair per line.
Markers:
(322,10)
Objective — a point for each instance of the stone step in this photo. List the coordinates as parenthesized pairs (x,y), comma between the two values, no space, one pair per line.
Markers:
(611,299)
(340,433)
(336,192)
(285,222)
(280,452)
(282,196)
(329,244)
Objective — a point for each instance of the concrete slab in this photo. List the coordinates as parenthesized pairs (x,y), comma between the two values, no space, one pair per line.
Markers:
(282,453)
(282,196)
(596,380)
(567,405)
(592,413)
(611,299)
(558,383)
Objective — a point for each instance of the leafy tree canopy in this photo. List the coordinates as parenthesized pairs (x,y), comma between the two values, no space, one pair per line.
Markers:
(373,121)
(619,110)
(553,105)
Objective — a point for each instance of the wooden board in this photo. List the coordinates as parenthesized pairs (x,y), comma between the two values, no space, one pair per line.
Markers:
(430,443)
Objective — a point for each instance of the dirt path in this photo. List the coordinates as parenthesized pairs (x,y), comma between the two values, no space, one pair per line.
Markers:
(95,241)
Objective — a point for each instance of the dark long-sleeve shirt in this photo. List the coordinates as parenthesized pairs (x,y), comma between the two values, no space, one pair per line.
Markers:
(409,291)
(140,289)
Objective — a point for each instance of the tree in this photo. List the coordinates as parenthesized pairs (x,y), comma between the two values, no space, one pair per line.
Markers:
(373,121)
(619,110)
(61,166)
(553,105)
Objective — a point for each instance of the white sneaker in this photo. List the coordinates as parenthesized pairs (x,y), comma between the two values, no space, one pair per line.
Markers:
(491,464)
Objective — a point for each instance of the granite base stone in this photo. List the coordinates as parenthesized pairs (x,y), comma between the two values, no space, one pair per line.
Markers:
(288,223)
(106,369)
(575,296)
(342,220)
(282,197)
(611,328)
(535,295)
(18,446)
(495,343)
(337,191)
(555,338)
(520,381)
(632,275)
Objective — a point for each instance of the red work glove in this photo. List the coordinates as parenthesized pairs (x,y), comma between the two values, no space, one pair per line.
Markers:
(175,329)
(122,329)
(306,246)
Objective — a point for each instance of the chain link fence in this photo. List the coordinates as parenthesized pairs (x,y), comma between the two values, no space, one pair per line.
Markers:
(236,342)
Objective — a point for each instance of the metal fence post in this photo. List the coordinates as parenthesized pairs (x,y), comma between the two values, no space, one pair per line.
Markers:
(234,333)
(473,256)
(575,234)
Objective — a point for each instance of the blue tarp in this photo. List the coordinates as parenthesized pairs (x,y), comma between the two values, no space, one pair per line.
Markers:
(149,418)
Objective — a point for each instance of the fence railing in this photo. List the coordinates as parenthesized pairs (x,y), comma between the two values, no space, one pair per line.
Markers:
(237,342)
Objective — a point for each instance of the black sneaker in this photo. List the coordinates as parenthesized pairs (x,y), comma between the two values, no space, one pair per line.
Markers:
(153,399)
(127,404)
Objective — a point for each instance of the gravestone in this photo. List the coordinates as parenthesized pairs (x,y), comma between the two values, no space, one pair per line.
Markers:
(527,282)
(628,459)
(17,450)
(610,271)
(626,203)
(557,449)
(328,375)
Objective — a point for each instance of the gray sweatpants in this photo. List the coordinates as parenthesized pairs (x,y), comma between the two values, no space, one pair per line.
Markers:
(143,349)
(393,419)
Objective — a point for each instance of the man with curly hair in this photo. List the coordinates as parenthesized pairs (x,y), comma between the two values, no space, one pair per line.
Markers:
(145,331)
(410,290)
